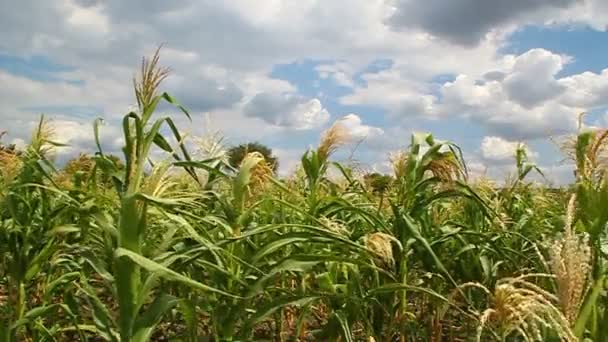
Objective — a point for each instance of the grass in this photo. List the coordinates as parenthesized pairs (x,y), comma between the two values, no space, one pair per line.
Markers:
(117,249)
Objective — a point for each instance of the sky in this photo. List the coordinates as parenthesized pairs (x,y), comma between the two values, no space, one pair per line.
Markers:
(485,74)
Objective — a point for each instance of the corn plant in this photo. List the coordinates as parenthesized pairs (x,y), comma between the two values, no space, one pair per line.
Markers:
(36,224)
(134,272)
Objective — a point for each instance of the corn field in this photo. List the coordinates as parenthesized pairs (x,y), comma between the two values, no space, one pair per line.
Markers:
(192,249)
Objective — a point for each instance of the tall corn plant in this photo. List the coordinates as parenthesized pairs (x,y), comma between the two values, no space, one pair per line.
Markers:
(35,219)
(429,173)
(134,274)
(518,196)
(523,212)
(315,163)
(589,150)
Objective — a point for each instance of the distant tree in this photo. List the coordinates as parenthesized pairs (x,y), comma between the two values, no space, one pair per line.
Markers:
(379,185)
(10,164)
(237,153)
(377,182)
(10,148)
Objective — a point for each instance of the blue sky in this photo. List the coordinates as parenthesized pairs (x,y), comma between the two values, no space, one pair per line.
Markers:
(280,72)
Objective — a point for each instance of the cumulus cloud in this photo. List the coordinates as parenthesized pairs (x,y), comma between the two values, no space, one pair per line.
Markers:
(524,100)
(222,55)
(289,159)
(559,174)
(491,105)
(499,150)
(476,169)
(78,136)
(287,110)
(87,18)
(203,94)
(469,21)
(389,89)
(587,89)
(532,80)
(519,97)
(341,73)
(359,131)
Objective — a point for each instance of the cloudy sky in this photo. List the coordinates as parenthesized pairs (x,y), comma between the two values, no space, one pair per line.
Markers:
(482,73)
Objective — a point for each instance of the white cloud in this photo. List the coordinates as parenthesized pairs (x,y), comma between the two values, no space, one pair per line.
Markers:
(467,22)
(560,174)
(532,80)
(518,97)
(287,110)
(202,93)
(476,169)
(71,108)
(490,105)
(223,53)
(524,99)
(388,89)
(19,143)
(289,160)
(587,89)
(471,22)
(79,137)
(341,73)
(497,149)
(357,130)
(88,19)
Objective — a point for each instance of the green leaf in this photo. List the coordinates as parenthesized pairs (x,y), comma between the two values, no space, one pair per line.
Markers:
(280,243)
(293,263)
(40,259)
(188,311)
(164,272)
(145,323)
(63,229)
(174,102)
(35,313)
(98,122)
(161,142)
(277,303)
(61,281)
(589,305)
(101,316)
(394,287)
(415,232)
(346,332)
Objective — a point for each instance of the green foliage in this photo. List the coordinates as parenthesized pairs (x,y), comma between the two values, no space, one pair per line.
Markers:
(116,249)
